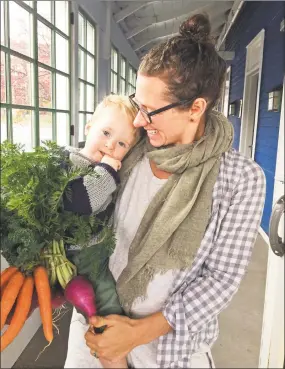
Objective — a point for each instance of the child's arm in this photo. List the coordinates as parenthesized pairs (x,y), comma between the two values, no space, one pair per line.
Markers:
(90,194)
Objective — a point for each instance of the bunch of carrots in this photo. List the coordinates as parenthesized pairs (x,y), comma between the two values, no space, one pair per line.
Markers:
(18,289)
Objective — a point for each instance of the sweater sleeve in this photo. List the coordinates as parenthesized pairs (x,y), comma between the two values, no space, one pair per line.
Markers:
(90,194)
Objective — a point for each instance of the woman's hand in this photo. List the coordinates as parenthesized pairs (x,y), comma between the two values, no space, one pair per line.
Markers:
(124,334)
(117,340)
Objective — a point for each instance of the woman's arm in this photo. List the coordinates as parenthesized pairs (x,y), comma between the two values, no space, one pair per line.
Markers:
(123,334)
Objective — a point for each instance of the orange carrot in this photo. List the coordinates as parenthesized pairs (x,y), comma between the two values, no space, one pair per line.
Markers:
(23,305)
(7,274)
(44,299)
(10,294)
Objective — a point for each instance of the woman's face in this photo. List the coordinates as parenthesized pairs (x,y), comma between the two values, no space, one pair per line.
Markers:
(172,126)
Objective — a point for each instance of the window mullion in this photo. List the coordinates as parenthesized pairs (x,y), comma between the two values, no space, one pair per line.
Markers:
(8,74)
(69,69)
(85,67)
(36,120)
(53,76)
(119,74)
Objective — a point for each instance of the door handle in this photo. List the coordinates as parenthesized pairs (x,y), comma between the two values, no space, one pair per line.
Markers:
(276,243)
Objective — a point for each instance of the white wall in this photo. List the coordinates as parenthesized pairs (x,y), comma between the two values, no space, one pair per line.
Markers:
(97,11)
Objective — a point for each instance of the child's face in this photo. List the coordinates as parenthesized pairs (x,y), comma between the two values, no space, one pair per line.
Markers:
(111,133)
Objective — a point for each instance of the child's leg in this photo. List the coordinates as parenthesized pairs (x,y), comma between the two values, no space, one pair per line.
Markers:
(118,364)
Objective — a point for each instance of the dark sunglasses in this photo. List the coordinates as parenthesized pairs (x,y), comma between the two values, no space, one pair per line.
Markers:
(147,115)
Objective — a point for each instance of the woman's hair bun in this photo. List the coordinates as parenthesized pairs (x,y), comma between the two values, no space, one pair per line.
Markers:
(196,28)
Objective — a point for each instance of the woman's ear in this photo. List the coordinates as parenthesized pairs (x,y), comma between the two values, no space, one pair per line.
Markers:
(197,109)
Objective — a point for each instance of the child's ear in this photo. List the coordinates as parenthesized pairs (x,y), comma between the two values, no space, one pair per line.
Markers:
(87,128)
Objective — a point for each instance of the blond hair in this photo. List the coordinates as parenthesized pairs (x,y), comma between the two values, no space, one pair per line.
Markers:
(121,102)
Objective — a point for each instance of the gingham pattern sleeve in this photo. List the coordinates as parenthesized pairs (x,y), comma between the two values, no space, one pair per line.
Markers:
(220,264)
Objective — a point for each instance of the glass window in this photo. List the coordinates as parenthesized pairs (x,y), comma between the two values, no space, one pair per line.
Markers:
(62,129)
(90,38)
(21,81)
(61,15)
(62,92)
(2,24)
(44,9)
(123,75)
(62,59)
(22,127)
(3,77)
(45,88)
(20,21)
(38,95)
(114,71)
(45,126)
(4,135)
(44,43)
(131,80)
(86,71)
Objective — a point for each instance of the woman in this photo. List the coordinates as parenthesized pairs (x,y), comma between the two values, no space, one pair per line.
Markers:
(186,217)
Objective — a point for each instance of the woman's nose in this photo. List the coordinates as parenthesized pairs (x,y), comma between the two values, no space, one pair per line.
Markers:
(140,120)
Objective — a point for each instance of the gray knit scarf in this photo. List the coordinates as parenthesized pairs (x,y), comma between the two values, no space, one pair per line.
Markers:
(175,221)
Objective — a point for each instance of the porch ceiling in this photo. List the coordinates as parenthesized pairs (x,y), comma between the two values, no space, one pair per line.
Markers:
(146,23)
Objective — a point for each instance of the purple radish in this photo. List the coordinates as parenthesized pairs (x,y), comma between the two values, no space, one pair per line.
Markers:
(79,292)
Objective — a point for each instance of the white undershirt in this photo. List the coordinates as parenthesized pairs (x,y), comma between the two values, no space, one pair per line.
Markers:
(130,208)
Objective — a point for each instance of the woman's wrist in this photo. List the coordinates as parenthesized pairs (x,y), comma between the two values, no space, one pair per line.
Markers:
(150,328)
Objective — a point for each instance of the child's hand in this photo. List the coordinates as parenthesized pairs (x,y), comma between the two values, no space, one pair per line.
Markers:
(114,163)
(94,155)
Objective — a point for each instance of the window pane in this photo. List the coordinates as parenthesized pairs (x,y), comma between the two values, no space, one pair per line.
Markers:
(22,127)
(90,98)
(61,16)
(81,96)
(4,135)
(82,56)
(114,60)
(114,83)
(123,87)
(20,29)
(89,117)
(44,43)
(81,33)
(62,92)
(45,88)
(44,9)
(81,134)
(61,53)
(90,69)
(45,126)
(21,81)
(3,78)
(123,68)
(2,24)
(90,38)
(62,129)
